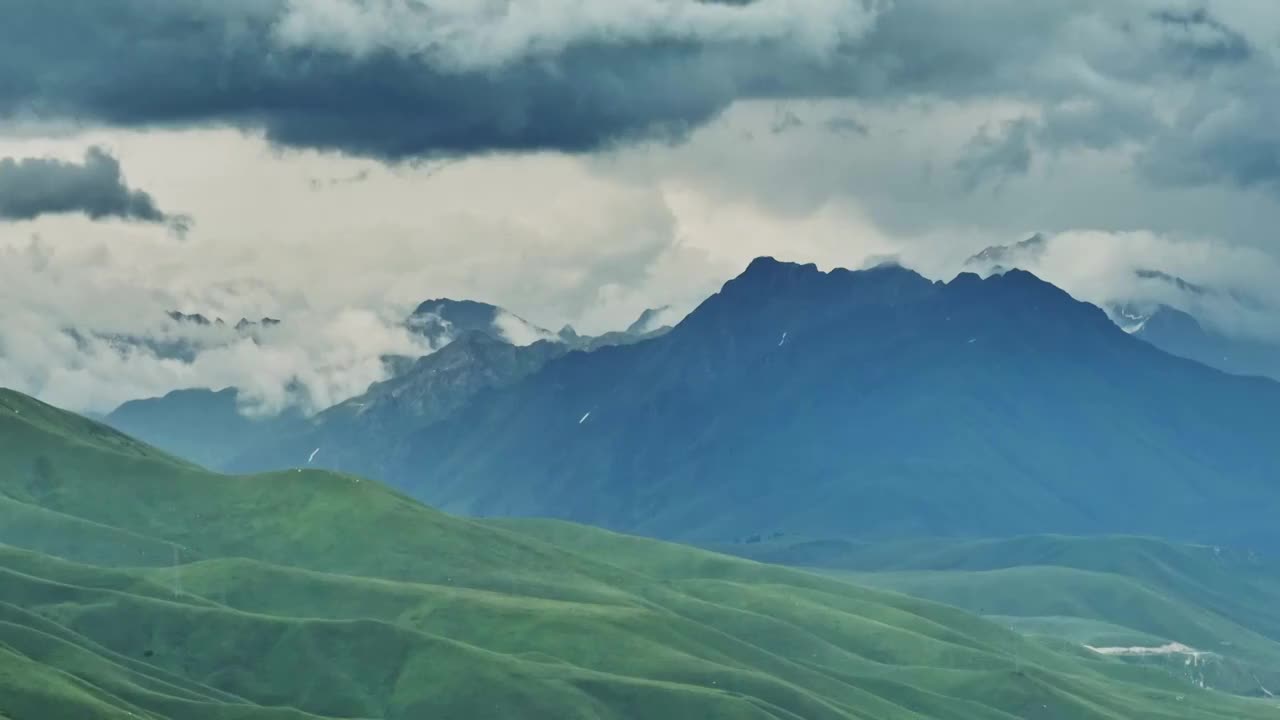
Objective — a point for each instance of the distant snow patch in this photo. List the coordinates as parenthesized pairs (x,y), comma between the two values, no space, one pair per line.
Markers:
(518,331)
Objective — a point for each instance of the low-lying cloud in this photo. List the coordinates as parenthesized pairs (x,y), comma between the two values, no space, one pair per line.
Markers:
(96,187)
(1231,290)
(308,371)
(542,236)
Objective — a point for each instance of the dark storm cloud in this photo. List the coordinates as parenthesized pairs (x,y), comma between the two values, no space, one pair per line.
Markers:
(183,62)
(96,187)
(420,78)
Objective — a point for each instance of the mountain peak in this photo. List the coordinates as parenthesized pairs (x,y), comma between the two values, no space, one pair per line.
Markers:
(434,304)
(442,319)
(468,312)
(769,266)
(247,324)
(1011,286)
(999,257)
(194,318)
(199,320)
(767,276)
(767,279)
(1022,303)
(652,320)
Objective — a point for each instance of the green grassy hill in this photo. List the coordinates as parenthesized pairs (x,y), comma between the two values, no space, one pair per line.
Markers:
(134,585)
(1099,591)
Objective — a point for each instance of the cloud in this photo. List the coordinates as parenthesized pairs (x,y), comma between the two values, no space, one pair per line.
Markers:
(411,78)
(1232,290)
(1200,38)
(519,331)
(342,267)
(85,327)
(1129,118)
(465,37)
(1189,87)
(33,187)
(993,158)
(311,363)
(1222,136)
(847,126)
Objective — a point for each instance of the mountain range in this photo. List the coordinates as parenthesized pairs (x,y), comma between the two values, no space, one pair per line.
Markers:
(908,443)
(136,585)
(205,426)
(1175,331)
(874,404)
(478,345)
(1179,333)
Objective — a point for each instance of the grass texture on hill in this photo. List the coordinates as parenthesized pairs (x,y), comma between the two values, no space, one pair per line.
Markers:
(1097,591)
(134,585)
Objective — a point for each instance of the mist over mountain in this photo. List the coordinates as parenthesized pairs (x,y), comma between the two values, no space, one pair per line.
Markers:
(440,321)
(654,320)
(369,433)
(205,426)
(365,434)
(1151,311)
(1177,332)
(477,345)
(183,338)
(999,258)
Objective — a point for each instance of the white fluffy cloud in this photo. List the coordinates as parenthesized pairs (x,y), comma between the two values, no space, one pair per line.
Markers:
(341,263)
(341,249)
(1236,290)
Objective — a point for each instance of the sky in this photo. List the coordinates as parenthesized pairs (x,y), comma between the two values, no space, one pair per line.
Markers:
(332,163)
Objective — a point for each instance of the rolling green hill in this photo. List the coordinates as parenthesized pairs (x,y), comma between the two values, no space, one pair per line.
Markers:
(1099,591)
(135,585)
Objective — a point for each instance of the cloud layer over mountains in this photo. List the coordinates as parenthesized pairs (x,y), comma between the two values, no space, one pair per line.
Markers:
(579,162)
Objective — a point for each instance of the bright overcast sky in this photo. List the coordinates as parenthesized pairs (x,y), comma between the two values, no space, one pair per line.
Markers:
(333,162)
